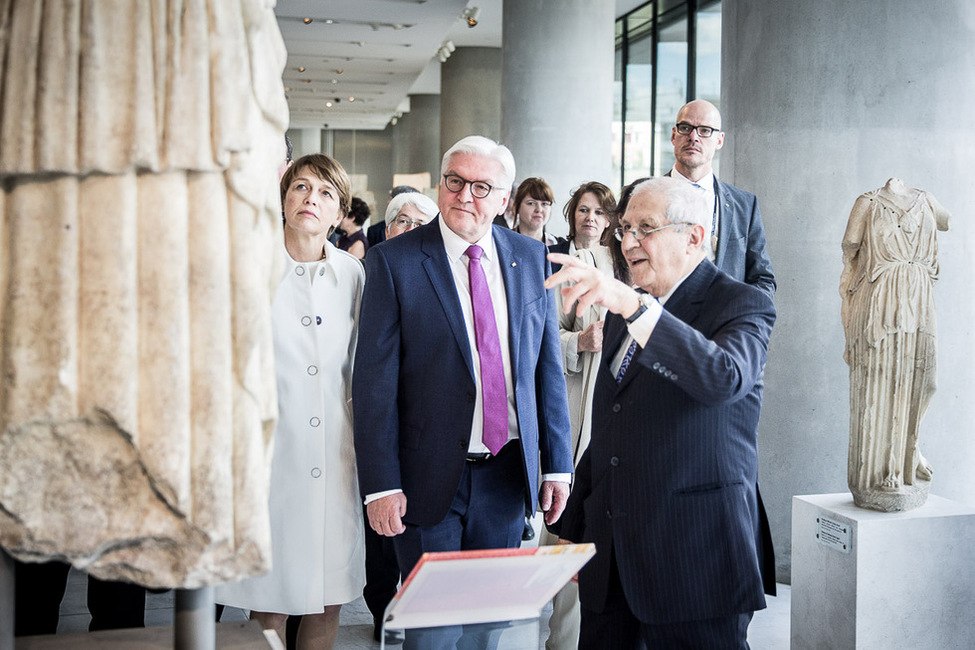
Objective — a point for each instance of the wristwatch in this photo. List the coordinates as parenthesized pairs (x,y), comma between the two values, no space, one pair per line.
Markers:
(639,312)
(644,299)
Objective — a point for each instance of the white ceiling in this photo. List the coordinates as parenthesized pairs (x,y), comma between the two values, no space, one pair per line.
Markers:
(375,51)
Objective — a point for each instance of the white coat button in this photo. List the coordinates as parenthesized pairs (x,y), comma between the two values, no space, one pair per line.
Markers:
(300,270)
(314,422)
(306,320)
(315,472)
(312,370)
(321,271)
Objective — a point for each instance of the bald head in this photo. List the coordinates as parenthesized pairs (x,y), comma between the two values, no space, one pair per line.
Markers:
(692,151)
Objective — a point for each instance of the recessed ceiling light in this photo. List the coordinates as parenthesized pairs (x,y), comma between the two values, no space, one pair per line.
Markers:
(307,21)
(301,68)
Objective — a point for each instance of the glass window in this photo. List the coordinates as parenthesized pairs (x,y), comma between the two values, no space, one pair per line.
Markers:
(707,52)
(653,57)
(638,129)
(671,87)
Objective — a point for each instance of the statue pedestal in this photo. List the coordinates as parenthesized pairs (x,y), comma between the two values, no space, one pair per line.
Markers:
(864,579)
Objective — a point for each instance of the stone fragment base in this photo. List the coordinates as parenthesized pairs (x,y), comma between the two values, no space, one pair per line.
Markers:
(904,581)
(907,497)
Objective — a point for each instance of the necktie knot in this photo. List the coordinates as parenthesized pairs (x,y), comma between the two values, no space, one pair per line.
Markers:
(474,252)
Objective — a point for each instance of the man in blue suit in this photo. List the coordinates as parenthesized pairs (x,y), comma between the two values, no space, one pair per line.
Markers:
(737,242)
(453,424)
(667,490)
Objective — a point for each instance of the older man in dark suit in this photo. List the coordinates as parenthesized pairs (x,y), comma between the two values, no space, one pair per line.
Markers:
(458,391)
(667,490)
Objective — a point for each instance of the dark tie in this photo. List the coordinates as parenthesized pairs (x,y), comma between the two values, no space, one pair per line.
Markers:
(627,358)
(494,398)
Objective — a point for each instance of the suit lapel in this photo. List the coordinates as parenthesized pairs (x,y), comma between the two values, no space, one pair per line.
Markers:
(438,270)
(725,221)
(511,272)
(686,302)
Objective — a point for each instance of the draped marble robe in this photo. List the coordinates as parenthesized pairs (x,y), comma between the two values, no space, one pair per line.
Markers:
(139,247)
(890,264)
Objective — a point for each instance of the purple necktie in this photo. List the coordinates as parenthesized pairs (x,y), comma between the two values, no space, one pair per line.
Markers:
(494,398)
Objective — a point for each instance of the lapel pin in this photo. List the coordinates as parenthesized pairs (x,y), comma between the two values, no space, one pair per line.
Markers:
(514,264)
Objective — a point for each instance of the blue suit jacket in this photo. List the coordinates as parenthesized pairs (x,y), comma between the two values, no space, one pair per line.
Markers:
(670,481)
(741,250)
(413,385)
(741,238)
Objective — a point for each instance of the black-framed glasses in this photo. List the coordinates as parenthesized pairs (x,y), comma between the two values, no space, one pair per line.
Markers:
(704,131)
(640,233)
(479,189)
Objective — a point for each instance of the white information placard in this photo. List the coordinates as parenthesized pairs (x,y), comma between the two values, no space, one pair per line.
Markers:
(834,534)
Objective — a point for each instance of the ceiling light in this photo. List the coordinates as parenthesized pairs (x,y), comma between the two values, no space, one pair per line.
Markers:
(351,99)
(328,104)
(307,21)
(301,68)
(471,14)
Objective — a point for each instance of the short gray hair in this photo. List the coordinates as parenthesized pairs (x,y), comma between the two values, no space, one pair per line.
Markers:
(685,203)
(422,202)
(478,145)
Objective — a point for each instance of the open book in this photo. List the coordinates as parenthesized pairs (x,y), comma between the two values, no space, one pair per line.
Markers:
(466,587)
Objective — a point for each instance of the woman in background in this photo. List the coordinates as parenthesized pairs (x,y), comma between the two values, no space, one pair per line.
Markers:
(353,240)
(591,213)
(533,207)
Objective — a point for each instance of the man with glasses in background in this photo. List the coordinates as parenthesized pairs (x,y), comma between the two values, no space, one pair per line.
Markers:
(737,241)
(667,490)
(458,391)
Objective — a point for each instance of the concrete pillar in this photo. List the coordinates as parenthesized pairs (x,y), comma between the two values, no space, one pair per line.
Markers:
(6,601)
(367,152)
(416,138)
(194,627)
(305,141)
(557,93)
(470,95)
(823,101)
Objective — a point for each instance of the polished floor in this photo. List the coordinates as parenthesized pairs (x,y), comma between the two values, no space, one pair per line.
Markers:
(769,629)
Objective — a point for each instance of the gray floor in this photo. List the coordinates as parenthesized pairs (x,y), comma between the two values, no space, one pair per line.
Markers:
(769,629)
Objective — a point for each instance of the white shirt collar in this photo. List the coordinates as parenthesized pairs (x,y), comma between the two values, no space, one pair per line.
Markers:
(706,182)
(456,246)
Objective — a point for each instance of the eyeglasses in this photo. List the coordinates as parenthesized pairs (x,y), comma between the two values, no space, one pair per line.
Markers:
(405,223)
(640,233)
(704,131)
(479,189)
(531,203)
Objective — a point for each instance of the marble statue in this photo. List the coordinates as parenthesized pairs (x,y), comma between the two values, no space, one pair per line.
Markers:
(139,239)
(890,264)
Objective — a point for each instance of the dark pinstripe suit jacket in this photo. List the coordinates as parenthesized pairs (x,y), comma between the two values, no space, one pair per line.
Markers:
(669,478)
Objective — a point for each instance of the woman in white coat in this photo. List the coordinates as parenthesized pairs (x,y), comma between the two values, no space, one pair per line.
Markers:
(318,557)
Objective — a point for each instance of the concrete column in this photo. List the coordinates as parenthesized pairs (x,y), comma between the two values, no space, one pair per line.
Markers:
(470,95)
(416,138)
(6,601)
(821,102)
(371,153)
(305,141)
(194,627)
(557,93)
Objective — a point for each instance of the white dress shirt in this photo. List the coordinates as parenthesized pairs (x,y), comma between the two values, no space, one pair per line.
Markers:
(706,183)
